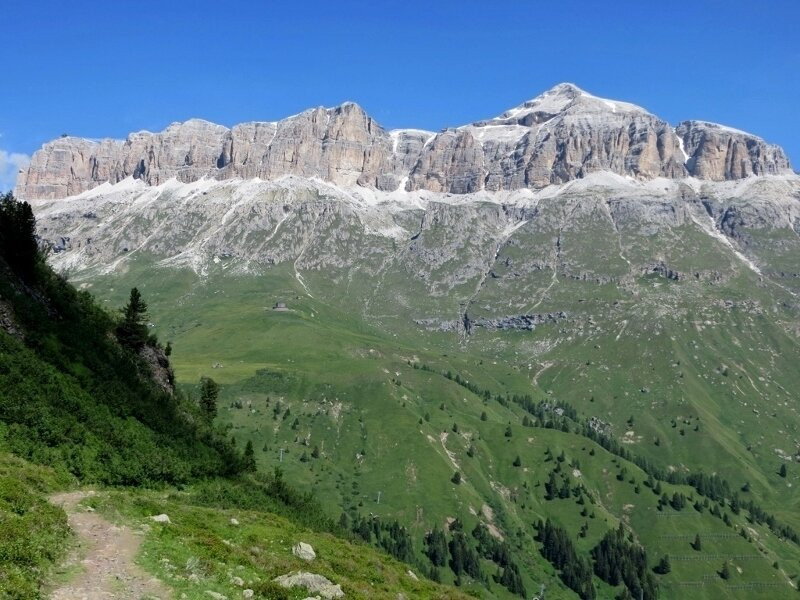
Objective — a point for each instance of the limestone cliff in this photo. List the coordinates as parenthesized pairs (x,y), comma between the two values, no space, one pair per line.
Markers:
(561,135)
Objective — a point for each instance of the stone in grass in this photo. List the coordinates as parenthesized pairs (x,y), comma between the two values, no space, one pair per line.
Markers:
(216,595)
(162,518)
(316,584)
(247,593)
(234,521)
(304,551)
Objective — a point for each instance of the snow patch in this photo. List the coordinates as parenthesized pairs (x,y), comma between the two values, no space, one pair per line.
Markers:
(709,227)
(682,148)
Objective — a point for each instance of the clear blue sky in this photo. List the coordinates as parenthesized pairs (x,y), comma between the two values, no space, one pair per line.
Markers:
(102,69)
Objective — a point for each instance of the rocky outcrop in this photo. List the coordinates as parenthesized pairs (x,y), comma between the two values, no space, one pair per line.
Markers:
(659,268)
(527,322)
(562,135)
(520,322)
(720,153)
(160,371)
(314,583)
(8,321)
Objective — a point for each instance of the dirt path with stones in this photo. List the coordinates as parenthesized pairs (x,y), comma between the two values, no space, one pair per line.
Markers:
(107,554)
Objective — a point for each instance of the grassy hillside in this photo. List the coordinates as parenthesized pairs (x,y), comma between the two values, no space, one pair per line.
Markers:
(370,420)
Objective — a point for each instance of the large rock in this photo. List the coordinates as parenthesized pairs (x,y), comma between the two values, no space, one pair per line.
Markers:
(162,518)
(304,551)
(561,135)
(316,584)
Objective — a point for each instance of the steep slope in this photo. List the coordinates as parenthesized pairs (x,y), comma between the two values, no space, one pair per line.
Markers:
(71,397)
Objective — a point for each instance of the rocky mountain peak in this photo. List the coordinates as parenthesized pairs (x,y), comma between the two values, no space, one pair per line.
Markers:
(561,99)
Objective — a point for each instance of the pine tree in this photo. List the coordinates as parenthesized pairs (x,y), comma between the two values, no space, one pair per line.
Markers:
(517,461)
(551,487)
(315,452)
(725,573)
(456,478)
(132,330)
(782,471)
(697,544)
(508,432)
(209,390)
(663,567)
(249,457)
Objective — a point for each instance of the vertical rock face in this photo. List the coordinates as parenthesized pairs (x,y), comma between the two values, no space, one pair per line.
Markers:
(186,151)
(719,153)
(562,135)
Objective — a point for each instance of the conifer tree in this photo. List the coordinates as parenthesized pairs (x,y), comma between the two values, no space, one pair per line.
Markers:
(725,573)
(697,544)
(249,457)
(209,390)
(663,567)
(132,330)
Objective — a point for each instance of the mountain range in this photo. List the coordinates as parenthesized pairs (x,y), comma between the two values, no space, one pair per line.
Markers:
(561,135)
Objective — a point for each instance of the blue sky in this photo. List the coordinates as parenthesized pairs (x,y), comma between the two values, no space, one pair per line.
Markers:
(102,69)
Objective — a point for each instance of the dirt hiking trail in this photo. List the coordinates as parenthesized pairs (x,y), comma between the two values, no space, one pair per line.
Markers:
(106,557)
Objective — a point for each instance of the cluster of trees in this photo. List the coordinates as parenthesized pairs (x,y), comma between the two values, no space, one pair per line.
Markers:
(677,502)
(457,552)
(463,554)
(464,558)
(618,559)
(19,247)
(389,535)
(558,549)
(498,551)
